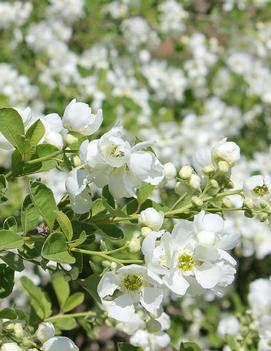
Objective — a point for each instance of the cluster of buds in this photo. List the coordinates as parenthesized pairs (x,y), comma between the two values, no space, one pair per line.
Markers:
(18,336)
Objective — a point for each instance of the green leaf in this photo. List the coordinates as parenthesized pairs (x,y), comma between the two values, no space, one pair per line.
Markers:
(10,223)
(61,288)
(46,150)
(55,248)
(12,127)
(108,197)
(189,346)
(67,323)
(80,240)
(125,346)
(144,192)
(14,261)
(44,201)
(7,313)
(10,240)
(97,207)
(111,230)
(3,184)
(35,132)
(39,301)
(34,135)
(6,280)
(90,284)
(65,224)
(73,301)
(29,215)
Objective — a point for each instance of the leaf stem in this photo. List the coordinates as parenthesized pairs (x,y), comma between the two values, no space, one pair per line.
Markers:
(45,158)
(71,315)
(105,256)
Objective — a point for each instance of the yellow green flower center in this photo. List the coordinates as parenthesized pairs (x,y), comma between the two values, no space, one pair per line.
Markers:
(261,190)
(115,151)
(132,282)
(186,262)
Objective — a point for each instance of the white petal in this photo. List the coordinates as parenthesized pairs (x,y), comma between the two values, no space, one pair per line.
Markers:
(146,167)
(177,283)
(182,231)
(121,308)
(208,222)
(151,299)
(148,243)
(208,275)
(107,285)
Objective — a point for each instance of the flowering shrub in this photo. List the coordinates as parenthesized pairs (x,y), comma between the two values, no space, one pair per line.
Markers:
(135,184)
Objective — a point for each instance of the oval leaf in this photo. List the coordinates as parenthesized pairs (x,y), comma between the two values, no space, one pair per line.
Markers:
(55,249)
(44,201)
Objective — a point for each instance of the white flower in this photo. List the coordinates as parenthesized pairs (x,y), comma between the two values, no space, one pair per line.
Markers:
(59,343)
(258,188)
(150,341)
(130,286)
(111,160)
(193,256)
(227,151)
(54,130)
(228,326)
(209,229)
(45,331)
(152,337)
(78,190)
(151,218)
(11,346)
(78,118)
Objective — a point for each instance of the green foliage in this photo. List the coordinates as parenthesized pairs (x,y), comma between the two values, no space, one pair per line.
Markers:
(12,127)
(65,224)
(43,200)
(6,281)
(144,192)
(55,248)
(189,346)
(38,299)
(10,240)
(124,346)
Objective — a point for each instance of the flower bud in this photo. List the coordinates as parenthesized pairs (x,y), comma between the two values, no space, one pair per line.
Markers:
(227,202)
(151,218)
(248,202)
(185,172)
(170,170)
(134,244)
(263,216)
(76,161)
(197,201)
(145,231)
(223,166)
(59,343)
(11,346)
(18,330)
(78,118)
(195,182)
(214,184)
(208,169)
(71,139)
(45,331)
